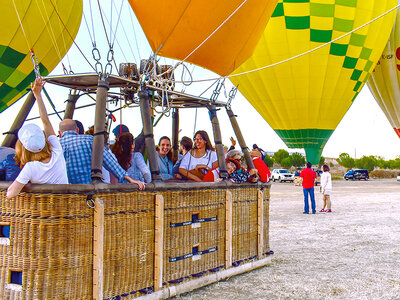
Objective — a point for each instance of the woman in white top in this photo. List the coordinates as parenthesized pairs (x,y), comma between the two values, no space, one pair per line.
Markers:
(198,161)
(326,188)
(39,154)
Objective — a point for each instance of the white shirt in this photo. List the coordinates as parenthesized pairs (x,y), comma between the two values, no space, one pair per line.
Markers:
(326,181)
(53,172)
(190,162)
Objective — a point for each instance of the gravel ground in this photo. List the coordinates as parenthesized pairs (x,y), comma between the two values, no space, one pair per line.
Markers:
(352,253)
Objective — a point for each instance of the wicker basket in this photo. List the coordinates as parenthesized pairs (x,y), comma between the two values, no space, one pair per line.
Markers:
(47,252)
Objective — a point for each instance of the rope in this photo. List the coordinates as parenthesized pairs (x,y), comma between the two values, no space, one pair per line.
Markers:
(304,53)
(51,103)
(129,44)
(105,32)
(22,26)
(70,35)
(172,30)
(87,26)
(202,43)
(91,15)
(195,122)
(133,27)
(118,21)
(50,30)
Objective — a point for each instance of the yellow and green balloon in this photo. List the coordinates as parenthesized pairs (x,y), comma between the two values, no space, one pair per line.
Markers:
(384,82)
(48,27)
(304,99)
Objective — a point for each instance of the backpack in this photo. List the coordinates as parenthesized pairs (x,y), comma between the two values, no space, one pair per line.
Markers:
(11,170)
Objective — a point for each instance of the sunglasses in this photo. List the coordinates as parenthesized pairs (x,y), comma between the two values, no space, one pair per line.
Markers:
(198,138)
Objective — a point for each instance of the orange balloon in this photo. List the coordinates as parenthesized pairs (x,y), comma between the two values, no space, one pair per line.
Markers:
(185,24)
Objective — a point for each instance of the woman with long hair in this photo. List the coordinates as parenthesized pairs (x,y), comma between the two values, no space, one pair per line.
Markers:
(326,189)
(200,159)
(165,158)
(132,162)
(39,154)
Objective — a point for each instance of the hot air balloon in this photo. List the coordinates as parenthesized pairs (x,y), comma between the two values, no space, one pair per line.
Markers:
(384,82)
(304,99)
(47,27)
(195,25)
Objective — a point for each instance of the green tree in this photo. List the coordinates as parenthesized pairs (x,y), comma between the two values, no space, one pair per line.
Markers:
(280,155)
(381,163)
(345,160)
(298,160)
(366,162)
(394,163)
(286,162)
(269,161)
(321,161)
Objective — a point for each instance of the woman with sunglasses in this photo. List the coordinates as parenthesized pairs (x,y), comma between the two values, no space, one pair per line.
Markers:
(198,161)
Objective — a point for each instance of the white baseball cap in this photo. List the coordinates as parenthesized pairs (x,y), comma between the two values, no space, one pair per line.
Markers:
(32,137)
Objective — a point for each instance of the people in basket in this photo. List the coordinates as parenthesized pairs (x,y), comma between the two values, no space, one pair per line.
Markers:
(164,158)
(200,159)
(185,145)
(126,165)
(39,154)
(132,162)
(326,189)
(77,151)
(213,175)
(262,169)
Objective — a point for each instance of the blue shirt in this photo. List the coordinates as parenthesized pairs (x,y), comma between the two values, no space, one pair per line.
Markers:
(139,170)
(77,149)
(175,169)
(165,166)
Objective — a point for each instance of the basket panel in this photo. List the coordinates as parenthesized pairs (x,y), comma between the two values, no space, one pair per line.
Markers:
(50,243)
(128,242)
(194,226)
(244,224)
(266,221)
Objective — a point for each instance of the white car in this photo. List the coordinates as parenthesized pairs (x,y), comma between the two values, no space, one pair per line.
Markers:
(282,175)
(398,177)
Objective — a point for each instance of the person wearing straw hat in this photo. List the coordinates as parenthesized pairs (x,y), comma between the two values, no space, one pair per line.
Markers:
(39,154)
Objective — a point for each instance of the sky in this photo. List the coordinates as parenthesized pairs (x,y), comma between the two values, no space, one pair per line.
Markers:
(364,130)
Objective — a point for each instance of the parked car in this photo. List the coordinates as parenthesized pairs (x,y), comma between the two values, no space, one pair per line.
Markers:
(398,177)
(282,175)
(357,174)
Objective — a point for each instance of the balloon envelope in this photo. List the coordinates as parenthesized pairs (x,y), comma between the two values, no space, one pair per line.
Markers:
(304,99)
(48,27)
(179,27)
(384,82)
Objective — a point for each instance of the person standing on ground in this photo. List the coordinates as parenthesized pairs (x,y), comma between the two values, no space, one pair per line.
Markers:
(326,189)
(308,177)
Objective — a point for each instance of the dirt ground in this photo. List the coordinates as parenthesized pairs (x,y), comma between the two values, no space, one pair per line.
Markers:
(352,253)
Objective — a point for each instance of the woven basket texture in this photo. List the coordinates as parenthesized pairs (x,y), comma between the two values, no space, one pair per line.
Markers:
(51,240)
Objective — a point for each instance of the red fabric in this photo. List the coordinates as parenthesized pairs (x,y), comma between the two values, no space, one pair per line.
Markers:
(308,176)
(263,171)
(209,176)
